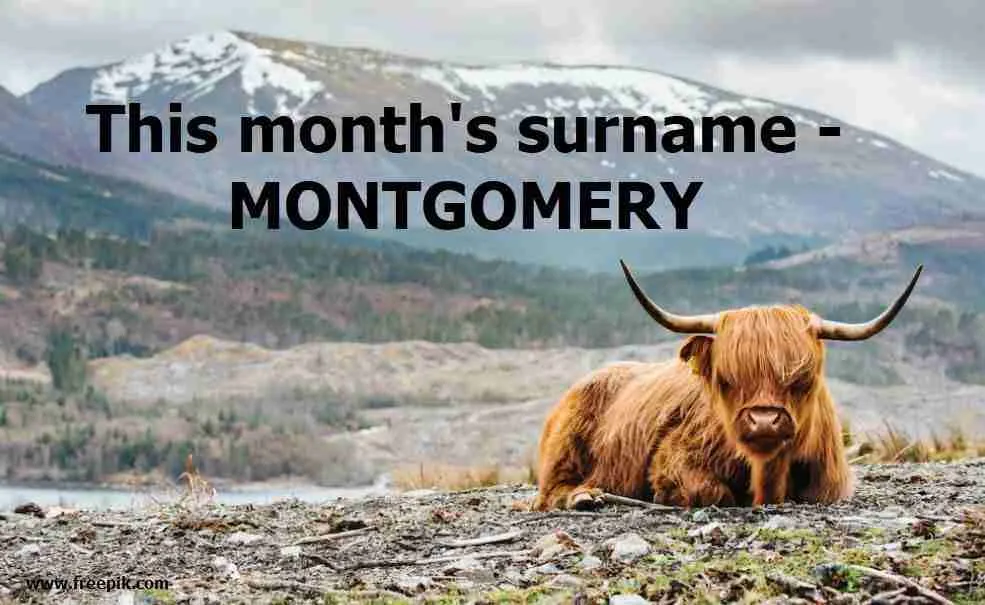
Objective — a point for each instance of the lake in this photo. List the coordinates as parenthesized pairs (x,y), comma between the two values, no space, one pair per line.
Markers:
(100,498)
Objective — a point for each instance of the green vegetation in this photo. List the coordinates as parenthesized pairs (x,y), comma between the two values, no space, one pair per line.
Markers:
(66,359)
(281,289)
(80,436)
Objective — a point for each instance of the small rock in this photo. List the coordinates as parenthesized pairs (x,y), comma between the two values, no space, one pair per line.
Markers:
(290,552)
(57,511)
(29,550)
(30,508)
(547,569)
(701,516)
(627,548)
(627,599)
(225,567)
(711,533)
(241,538)
(565,581)
(412,584)
(780,522)
(467,567)
(554,545)
(590,563)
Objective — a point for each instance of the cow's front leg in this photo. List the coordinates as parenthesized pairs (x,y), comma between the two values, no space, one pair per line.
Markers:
(769,480)
(689,487)
(813,482)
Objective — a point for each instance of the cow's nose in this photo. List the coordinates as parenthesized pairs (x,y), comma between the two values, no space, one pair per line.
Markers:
(765,418)
(766,423)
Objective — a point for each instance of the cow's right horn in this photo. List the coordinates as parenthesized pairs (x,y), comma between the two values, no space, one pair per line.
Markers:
(685,324)
(833,330)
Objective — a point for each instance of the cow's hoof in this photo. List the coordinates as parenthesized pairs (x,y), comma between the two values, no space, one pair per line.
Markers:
(586,500)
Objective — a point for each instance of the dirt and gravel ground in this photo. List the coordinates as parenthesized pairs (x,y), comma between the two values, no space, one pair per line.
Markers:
(911,534)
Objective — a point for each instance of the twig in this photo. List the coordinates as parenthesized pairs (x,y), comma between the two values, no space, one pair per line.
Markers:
(614,499)
(289,585)
(796,586)
(496,539)
(433,560)
(568,513)
(332,537)
(320,560)
(315,590)
(898,580)
(886,597)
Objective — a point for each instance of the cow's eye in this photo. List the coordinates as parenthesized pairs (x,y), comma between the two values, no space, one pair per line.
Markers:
(724,385)
(801,386)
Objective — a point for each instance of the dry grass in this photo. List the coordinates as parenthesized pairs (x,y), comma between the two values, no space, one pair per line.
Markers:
(887,446)
(456,478)
(891,446)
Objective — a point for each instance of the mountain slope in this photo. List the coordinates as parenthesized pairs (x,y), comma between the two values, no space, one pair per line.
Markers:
(44,136)
(50,197)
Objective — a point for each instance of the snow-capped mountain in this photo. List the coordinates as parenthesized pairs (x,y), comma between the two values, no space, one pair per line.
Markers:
(860,181)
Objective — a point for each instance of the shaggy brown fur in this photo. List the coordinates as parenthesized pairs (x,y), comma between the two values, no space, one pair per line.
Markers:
(667,431)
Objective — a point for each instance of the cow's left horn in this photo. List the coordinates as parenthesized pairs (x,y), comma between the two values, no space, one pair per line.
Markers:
(685,324)
(833,330)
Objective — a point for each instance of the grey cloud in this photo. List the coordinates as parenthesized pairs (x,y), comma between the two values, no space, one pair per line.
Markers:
(97,31)
(858,29)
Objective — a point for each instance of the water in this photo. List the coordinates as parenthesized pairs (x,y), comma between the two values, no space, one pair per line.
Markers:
(100,499)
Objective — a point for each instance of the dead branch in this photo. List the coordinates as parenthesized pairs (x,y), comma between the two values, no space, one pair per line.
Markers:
(886,597)
(332,537)
(435,560)
(319,591)
(614,499)
(899,581)
(796,586)
(495,539)
(568,513)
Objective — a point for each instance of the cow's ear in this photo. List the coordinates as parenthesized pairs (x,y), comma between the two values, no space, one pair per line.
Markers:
(696,352)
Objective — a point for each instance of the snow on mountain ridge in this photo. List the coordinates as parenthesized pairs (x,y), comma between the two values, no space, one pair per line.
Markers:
(192,67)
(196,64)
(643,91)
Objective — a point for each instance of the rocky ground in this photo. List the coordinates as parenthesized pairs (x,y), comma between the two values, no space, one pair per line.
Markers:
(911,534)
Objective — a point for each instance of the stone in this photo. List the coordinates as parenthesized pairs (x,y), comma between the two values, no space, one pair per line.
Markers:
(627,548)
(467,567)
(241,538)
(413,584)
(565,581)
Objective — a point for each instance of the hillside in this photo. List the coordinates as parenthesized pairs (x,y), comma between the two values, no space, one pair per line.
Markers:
(38,134)
(859,182)
(50,197)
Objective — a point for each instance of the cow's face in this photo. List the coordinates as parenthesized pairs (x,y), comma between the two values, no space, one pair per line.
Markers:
(763,367)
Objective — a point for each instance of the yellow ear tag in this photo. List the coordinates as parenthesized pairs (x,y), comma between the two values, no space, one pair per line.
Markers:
(693,364)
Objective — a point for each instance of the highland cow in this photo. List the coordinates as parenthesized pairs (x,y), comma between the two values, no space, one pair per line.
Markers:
(742,417)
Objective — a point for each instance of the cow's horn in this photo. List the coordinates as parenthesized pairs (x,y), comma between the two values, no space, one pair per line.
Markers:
(833,330)
(685,324)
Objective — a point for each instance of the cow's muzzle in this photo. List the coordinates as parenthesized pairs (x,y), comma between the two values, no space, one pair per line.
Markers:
(764,428)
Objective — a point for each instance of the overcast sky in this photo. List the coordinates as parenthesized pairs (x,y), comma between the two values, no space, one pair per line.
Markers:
(911,69)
